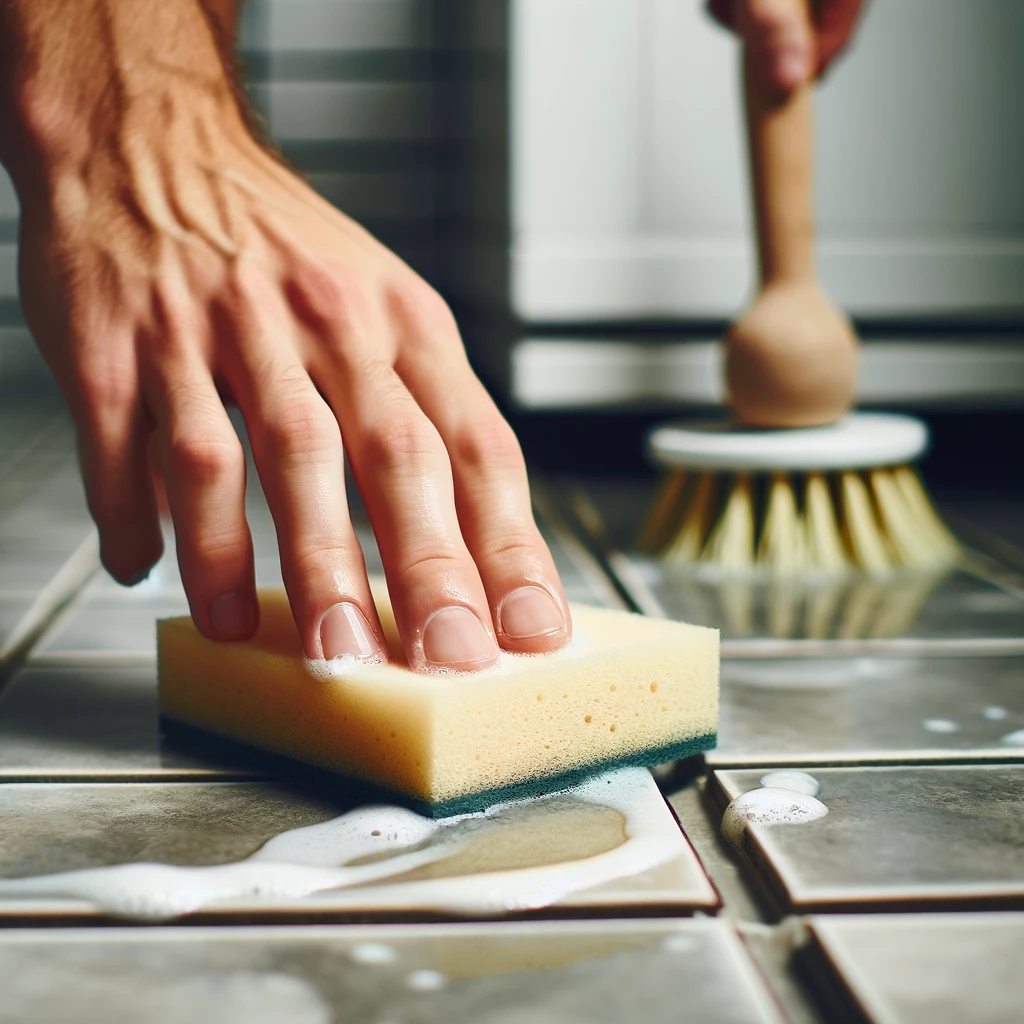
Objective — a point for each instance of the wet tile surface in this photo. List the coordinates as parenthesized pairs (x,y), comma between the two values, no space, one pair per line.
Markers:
(111,623)
(820,711)
(923,837)
(82,721)
(59,827)
(542,973)
(920,969)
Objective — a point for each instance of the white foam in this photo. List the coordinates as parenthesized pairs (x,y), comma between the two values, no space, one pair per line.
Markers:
(310,863)
(995,714)
(375,953)
(426,981)
(1014,739)
(940,725)
(793,780)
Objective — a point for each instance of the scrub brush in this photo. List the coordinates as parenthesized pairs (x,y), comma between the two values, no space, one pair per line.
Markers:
(818,491)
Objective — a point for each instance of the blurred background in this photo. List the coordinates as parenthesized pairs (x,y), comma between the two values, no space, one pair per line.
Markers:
(571,175)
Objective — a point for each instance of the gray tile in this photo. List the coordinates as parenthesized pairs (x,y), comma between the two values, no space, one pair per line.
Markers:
(346,24)
(95,721)
(920,969)
(321,111)
(59,827)
(542,973)
(111,623)
(925,837)
(869,709)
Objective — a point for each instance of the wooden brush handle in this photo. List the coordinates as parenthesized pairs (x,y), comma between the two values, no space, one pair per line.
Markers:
(780,131)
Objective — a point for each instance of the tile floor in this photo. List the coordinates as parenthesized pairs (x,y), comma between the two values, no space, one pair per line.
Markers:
(911,744)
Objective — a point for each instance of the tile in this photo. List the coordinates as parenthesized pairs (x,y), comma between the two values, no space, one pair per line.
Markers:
(869,709)
(352,111)
(919,969)
(310,25)
(925,838)
(84,721)
(419,869)
(513,973)
(111,624)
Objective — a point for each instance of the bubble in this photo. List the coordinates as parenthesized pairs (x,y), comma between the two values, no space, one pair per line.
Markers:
(426,981)
(791,779)
(940,725)
(995,714)
(372,953)
(679,943)
(769,807)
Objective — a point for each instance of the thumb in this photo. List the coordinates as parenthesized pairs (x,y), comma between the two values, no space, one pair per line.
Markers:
(779,41)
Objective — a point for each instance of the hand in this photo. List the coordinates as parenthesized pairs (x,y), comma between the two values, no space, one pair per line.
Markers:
(167,259)
(788,51)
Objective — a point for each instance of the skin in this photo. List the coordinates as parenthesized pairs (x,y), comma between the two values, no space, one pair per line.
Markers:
(167,262)
(788,50)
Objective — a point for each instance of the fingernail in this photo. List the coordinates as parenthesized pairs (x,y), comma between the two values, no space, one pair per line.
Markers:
(455,638)
(790,68)
(233,615)
(529,611)
(344,631)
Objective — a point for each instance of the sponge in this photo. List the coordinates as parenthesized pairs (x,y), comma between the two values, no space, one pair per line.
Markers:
(627,690)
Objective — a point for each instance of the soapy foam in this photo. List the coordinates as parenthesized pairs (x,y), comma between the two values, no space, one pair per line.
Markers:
(995,714)
(773,804)
(310,863)
(940,725)
(426,981)
(1014,739)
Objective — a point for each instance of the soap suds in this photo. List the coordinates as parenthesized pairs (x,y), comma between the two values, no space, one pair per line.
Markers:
(1014,739)
(310,863)
(773,804)
(426,981)
(939,725)
(995,714)
(374,953)
(791,779)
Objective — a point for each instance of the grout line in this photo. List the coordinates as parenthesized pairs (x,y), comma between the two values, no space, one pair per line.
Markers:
(68,582)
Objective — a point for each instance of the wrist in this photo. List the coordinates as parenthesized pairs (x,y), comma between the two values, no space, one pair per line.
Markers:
(105,76)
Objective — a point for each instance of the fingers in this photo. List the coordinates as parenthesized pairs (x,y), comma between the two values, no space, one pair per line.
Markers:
(835,21)
(779,41)
(402,469)
(114,438)
(446,444)
(785,52)
(204,472)
(297,446)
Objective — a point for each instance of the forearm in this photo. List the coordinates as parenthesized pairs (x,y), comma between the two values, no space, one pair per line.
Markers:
(83,74)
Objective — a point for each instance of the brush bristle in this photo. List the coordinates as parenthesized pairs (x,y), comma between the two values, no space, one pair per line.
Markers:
(873,522)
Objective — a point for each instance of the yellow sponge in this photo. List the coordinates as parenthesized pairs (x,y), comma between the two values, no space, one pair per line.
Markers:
(627,690)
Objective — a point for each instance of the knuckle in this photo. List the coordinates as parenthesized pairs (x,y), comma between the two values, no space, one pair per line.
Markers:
(318,559)
(103,386)
(217,547)
(488,444)
(303,429)
(204,458)
(400,439)
(414,301)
